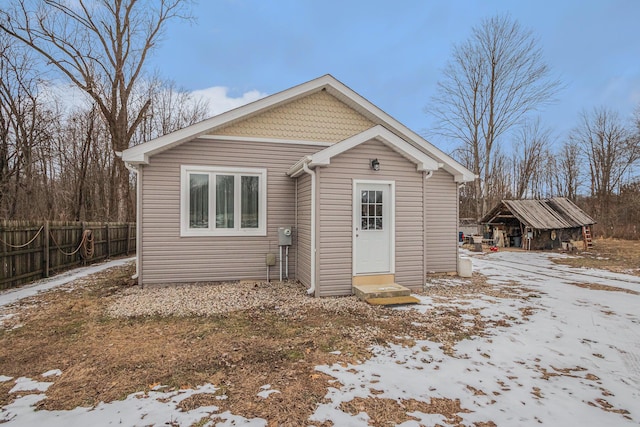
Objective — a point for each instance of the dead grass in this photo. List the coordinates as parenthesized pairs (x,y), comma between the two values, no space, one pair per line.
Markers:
(620,256)
(598,287)
(390,412)
(105,359)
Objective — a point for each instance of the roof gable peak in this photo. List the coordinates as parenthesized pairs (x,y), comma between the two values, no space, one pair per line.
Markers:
(142,153)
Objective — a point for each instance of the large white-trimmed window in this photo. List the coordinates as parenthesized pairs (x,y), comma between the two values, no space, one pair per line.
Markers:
(221,201)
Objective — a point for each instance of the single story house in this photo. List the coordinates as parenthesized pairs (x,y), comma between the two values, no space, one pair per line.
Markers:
(366,198)
(537,224)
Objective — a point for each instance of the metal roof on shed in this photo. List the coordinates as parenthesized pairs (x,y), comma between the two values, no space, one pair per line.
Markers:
(542,214)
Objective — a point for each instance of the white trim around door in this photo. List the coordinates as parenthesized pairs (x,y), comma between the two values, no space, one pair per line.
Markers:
(374,244)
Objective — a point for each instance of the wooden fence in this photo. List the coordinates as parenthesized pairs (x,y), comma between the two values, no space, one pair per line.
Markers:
(34,250)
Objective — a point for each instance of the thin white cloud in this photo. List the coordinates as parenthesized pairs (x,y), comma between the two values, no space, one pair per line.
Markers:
(62,97)
(220,101)
(66,97)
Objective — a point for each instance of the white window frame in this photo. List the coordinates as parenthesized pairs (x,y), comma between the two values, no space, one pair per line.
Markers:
(212,172)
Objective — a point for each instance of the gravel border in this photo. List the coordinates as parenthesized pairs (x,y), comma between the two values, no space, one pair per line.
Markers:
(204,299)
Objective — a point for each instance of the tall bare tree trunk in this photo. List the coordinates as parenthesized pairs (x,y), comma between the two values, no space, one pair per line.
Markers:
(100,46)
(492,82)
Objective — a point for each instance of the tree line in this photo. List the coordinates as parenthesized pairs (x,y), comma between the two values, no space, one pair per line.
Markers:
(58,158)
(486,101)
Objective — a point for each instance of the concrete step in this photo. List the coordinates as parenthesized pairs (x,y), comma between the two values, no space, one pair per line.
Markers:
(393,300)
(366,292)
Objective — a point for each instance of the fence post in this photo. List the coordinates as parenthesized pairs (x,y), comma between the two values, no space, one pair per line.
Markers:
(45,248)
(108,241)
(128,237)
(84,260)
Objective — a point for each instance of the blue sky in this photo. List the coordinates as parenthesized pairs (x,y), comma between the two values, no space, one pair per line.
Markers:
(392,52)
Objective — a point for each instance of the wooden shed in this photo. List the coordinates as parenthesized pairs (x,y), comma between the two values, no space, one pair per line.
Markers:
(538,224)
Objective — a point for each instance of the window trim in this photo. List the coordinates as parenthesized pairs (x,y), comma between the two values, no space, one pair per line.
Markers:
(211,230)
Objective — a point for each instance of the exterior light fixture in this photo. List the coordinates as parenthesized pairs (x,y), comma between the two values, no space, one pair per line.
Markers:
(375,165)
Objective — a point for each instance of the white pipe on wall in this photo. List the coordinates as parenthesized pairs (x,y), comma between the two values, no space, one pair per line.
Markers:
(135,170)
(312,288)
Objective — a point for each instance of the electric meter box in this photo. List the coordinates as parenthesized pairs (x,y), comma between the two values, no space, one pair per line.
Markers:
(284,236)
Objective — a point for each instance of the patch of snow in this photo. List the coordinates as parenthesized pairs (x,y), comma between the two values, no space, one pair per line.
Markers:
(27,384)
(266,391)
(336,352)
(4,378)
(152,408)
(446,281)
(6,316)
(51,373)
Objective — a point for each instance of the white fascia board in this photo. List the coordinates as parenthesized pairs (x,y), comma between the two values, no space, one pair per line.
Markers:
(141,153)
(422,160)
(379,132)
(460,175)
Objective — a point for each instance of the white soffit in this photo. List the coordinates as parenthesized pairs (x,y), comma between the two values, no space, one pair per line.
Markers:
(423,161)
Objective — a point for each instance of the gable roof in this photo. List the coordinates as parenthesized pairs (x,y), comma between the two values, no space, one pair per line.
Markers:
(322,158)
(142,153)
(542,214)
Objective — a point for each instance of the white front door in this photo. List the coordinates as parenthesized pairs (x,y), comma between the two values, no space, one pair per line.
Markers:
(373,213)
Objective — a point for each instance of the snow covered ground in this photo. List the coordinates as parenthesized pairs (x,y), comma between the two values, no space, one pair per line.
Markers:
(572,360)
(575,361)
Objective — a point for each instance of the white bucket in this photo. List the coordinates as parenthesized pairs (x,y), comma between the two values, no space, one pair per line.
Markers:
(465,268)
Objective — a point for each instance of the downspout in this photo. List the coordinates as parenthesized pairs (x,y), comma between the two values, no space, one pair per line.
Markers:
(296,228)
(137,171)
(458,225)
(426,175)
(305,167)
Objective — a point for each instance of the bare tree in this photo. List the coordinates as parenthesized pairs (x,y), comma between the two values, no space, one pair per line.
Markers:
(491,82)
(101,46)
(611,150)
(547,182)
(24,126)
(530,151)
(499,181)
(171,109)
(569,170)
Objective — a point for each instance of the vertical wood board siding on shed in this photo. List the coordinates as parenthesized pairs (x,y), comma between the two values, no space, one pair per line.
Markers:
(316,117)
(336,215)
(442,222)
(303,230)
(167,257)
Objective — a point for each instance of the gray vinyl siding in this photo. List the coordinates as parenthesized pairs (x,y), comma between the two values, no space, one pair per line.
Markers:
(167,257)
(335,185)
(441,212)
(303,230)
